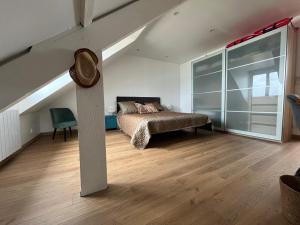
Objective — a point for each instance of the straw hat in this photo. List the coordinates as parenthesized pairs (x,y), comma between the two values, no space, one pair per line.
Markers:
(84,72)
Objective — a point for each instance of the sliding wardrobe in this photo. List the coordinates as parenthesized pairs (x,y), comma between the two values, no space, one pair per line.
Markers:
(243,90)
(208,85)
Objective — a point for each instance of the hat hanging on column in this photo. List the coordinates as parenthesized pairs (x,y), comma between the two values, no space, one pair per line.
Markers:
(84,72)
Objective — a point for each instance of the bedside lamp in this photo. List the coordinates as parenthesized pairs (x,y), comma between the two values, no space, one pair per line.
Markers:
(169,107)
(111,110)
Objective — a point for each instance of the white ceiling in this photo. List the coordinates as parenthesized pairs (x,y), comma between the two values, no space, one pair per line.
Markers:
(24,23)
(171,38)
(103,6)
(205,25)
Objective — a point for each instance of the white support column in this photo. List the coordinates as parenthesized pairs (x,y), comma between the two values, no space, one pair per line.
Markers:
(90,106)
(87,7)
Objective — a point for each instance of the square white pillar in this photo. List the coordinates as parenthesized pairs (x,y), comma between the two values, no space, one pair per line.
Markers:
(90,106)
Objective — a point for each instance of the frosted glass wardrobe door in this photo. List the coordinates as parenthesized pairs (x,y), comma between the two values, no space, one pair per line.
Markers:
(208,87)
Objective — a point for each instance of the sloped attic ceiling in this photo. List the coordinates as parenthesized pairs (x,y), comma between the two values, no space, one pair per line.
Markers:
(198,26)
(21,29)
(54,56)
(104,6)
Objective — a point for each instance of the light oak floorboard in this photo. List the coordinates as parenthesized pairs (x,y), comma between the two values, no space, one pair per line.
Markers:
(180,179)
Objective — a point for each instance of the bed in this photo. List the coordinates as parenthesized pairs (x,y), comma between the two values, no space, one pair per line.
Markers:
(140,127)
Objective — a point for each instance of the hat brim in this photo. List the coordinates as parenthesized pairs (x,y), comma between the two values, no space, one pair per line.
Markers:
(74,76)
(91,53)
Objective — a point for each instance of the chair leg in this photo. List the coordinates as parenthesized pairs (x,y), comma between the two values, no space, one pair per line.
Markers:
(70,129)
(65,134)
(212,128)
(53,135)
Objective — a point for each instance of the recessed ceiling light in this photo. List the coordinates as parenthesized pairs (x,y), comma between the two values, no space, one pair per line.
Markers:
(175,13)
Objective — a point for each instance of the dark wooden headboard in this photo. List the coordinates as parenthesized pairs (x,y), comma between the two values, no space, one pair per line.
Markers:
(141,100)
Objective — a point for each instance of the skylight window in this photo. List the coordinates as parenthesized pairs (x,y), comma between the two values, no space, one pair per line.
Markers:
(42,93)
(107,53)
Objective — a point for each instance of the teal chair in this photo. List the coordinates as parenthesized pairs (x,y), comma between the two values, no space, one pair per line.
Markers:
(62,118)
(293,99)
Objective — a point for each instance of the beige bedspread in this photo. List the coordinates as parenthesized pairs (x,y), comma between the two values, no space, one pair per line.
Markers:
(140,126)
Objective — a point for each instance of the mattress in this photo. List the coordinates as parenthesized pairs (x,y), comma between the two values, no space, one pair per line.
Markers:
(140,127)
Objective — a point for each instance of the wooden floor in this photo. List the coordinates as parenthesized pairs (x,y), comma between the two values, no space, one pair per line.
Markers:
(181,179)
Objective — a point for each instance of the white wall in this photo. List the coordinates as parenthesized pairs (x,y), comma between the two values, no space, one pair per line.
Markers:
(30,126)
(138,76)
(127,76)
(186,87)
(66,100)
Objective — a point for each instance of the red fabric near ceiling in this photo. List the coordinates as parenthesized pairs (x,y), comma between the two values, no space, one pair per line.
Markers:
(261,31)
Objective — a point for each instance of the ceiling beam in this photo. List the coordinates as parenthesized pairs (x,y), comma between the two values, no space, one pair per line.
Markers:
(47,60)
(114,10)
(86,12)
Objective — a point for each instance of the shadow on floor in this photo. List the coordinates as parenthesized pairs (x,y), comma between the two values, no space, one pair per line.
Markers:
(175,137)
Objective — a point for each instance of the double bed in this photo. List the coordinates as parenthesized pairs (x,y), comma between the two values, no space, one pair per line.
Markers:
(140,127)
